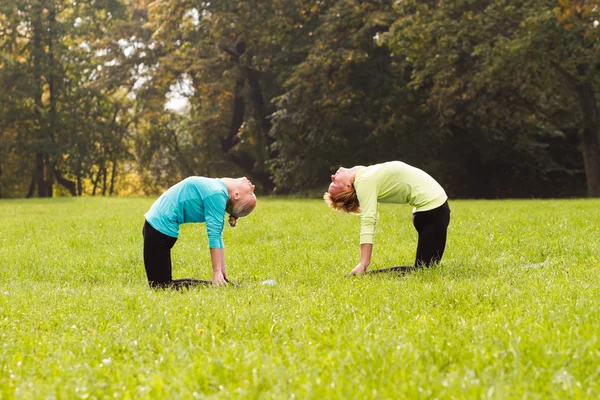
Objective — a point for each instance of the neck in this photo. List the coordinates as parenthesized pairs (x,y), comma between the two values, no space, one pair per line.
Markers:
(353,172)
(230,183)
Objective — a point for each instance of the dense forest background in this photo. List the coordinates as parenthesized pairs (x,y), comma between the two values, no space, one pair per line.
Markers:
(494,98)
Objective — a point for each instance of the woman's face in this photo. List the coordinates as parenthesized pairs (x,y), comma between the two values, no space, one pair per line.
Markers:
(340,180)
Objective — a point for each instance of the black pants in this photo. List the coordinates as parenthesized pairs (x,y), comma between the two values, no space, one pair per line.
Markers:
(432,226)
(157,260)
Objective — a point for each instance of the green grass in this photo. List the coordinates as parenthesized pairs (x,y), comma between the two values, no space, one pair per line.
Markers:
(512,312)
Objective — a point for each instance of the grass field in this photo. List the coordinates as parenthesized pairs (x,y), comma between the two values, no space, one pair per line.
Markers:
(512,312)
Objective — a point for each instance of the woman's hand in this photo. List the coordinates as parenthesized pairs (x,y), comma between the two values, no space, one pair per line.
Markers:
(359,269)
(365,259)
(218,266)
(218,279)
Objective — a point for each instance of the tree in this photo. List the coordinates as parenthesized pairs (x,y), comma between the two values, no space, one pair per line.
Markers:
(234,54)
(347,102)
(507,71)
(51,51)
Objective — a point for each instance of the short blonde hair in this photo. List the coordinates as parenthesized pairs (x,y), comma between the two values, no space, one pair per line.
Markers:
(346,200)
(237,210)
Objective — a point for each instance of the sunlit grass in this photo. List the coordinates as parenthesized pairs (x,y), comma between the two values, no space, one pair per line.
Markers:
(512,312)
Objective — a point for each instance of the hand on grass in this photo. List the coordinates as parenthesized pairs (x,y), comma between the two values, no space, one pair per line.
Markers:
(359,269)
(219,279)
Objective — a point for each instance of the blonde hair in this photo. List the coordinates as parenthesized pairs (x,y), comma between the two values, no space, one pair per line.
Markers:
(237,210)
(346,200)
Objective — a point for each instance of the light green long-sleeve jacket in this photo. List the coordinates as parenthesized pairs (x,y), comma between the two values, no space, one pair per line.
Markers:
(393,182)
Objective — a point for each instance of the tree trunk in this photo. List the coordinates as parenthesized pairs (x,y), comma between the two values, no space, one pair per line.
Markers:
(104,174)
(237,120)
(79,183)
(50,171)
(243,160)
(258,100)
(263,141)
(31,187)
(40,175)
(591,145)
(69,185)
(37,55)
(113,175)
(97,180)
(51,76)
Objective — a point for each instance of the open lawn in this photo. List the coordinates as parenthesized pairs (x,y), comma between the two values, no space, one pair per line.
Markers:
(512,312)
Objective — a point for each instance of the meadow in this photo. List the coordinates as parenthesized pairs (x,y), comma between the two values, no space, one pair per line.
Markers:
(513,311)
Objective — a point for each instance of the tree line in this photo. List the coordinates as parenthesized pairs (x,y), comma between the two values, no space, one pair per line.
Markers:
(494,98)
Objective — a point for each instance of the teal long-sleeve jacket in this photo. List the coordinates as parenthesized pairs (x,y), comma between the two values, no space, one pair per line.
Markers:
(194,199)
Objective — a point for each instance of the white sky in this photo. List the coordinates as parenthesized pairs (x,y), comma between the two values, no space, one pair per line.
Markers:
(179,93)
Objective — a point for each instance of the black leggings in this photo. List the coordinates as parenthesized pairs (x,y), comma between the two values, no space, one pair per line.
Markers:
(432,226)
(157,260)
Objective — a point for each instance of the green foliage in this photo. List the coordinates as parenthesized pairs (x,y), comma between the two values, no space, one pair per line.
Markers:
(498,76)
(347,102)
(232,53)
(493,98)
(511,312)
(69,124)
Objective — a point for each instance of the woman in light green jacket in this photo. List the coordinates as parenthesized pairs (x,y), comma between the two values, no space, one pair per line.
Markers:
(357,190)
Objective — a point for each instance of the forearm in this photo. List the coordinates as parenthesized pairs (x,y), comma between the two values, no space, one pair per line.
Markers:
(218,260)
(366,249)
(365,258)
(223,266)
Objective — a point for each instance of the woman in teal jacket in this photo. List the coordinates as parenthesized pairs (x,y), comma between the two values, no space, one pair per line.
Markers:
(195,199)
(358,189)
